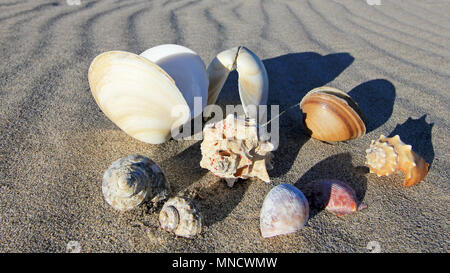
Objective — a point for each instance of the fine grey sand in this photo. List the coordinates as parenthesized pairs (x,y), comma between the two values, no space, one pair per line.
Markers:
(55,143)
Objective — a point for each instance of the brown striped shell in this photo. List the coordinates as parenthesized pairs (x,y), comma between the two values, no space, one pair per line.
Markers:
(332,115)
(335,196)
(133,179)
(387,155)
(180,216)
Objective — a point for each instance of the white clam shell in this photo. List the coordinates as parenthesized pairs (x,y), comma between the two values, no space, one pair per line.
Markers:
(253,80)
(187,70)
(285,210)
(143,99)
(180,216)
(133,179)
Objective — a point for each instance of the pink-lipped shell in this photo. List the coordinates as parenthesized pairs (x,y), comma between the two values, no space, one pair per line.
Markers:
(285,210)
(335,196)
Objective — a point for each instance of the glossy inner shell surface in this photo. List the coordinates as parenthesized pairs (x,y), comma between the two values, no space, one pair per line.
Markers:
(332,115)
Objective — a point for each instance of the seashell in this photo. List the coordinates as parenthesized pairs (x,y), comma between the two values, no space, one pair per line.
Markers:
(285,210)
(150,95)
(133,179)
(180,216)
(335,196)
(232,149)
(332,115)
(253,81)
(386,156)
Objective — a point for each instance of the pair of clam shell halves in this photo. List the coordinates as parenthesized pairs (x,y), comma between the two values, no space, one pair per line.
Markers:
(151,94)
(331,115)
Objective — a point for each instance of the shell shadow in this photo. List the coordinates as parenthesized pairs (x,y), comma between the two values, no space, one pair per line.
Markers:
(376,100)
(338,167)
(217,200)
(184,168)
(417,133)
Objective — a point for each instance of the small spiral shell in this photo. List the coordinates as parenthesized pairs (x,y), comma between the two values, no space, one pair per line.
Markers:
(335,196)
(131,180)
(386,156)
(180,216)
(285,210)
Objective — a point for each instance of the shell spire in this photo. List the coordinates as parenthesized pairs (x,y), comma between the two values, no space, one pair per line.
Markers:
(386,156)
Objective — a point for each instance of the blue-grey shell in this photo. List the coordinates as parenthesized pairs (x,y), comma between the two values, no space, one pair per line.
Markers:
(133,179)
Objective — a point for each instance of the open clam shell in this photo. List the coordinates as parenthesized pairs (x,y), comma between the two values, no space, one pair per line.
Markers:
(331,115)
(253,80)
(150,95)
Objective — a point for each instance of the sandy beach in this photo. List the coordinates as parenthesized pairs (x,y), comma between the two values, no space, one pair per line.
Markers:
(55,142)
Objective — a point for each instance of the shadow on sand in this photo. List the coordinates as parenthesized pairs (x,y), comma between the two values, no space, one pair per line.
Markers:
(417,133)
(338,167)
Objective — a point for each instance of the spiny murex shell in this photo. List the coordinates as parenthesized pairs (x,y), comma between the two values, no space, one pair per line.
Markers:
(232,149)
(148,96)
(133,179)
(253,82)
(335,196)
(331,115)
(285,210)
(180,216)
(386,156)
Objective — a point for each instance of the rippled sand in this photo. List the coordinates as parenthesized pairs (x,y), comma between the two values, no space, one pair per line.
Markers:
(55,143)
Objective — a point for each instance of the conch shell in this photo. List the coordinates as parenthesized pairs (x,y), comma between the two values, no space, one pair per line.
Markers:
(386,156)
(180,216)
(331,115)
(232,149)
(133,179)
(285,210)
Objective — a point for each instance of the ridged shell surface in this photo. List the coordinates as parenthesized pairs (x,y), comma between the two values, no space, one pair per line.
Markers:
(137,95)
(186,68)
(387,155)
(253,81)
(334,196)
(232,149)
(133,179)
(332,115)
(180,216)
(285,210)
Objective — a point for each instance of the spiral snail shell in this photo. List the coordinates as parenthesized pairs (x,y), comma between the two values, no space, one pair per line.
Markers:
(387,155)
(133,179)
(285,210)
(331,115)
(335,196)
(180,216)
